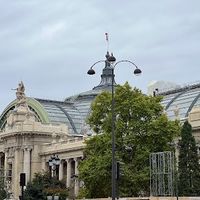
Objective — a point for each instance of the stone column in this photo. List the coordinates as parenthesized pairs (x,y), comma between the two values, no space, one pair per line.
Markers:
(27,163)
(44,167)
(5,163)
(16,172)
(61,170)
(69,169)
(0,161)
(76,186)
(1,165)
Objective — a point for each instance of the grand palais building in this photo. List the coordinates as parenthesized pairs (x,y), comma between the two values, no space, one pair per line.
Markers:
(32,130)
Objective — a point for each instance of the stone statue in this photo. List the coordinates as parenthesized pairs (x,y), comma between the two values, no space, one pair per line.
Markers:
(21,113)
(20,91)
(21,96)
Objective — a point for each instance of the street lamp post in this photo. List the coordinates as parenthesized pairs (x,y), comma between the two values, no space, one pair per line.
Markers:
(111,61)
(54,162)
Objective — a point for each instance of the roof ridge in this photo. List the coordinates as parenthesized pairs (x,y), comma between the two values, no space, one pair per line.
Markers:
(53,101)
(180,89)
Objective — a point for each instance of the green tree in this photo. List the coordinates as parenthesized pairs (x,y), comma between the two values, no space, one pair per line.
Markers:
(140,124)
(189,167)
(43,185)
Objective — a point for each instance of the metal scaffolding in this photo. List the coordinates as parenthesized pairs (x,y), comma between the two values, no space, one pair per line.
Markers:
(162,174)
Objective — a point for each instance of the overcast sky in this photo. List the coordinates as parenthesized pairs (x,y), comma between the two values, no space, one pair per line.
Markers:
(50,45)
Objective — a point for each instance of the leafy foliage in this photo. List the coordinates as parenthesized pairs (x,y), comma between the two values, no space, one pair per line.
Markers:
(43,185)
(189,167)
(2,189)
(140,124)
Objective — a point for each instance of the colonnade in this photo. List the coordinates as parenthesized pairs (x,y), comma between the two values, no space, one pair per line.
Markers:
(68,170)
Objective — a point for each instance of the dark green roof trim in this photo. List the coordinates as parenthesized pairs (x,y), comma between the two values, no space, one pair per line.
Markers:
(33,104)
(39,109)
(3,116)
(10,105)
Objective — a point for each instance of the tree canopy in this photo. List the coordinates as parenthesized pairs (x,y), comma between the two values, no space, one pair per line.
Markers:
(140,125)
(189,167)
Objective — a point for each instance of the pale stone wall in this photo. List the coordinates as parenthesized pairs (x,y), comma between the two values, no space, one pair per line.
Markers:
(150,198)
(194,120)
(174,198)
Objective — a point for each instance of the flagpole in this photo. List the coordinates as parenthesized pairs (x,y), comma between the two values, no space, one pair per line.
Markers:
(107,41)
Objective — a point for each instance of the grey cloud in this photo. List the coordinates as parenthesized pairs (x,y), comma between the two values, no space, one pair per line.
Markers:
(50,45)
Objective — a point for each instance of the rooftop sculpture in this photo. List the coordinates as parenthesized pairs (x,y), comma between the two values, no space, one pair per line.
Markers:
(21,97)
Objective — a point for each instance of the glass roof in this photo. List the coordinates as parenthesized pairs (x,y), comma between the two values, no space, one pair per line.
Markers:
(60,112)
(179,104)
(74,110)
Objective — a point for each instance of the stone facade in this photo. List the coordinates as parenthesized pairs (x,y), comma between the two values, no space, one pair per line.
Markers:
(28,139)
(26,146)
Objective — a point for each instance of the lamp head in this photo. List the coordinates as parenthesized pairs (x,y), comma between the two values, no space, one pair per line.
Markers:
(57,160)
(50,162)
(137,71)
(111,58)
(91,71)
